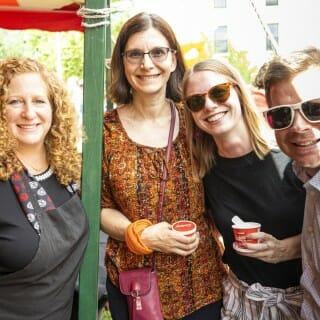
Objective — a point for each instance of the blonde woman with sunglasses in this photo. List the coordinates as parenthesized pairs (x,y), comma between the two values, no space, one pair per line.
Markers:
(244,176)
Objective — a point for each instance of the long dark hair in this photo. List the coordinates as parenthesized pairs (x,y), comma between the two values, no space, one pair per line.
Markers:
(119,89)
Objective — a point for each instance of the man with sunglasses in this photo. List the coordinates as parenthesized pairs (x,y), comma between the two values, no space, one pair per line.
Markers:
(293,97)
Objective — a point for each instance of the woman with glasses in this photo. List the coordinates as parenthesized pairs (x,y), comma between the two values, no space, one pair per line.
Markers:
(146,73)
(244,176)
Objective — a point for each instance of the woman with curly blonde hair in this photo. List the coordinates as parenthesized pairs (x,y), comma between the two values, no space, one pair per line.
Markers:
(44,229)
(64,135)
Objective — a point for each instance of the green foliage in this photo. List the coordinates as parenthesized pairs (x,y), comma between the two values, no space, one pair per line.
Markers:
(106,315)
(237,59)
(240,61)
(118,18)
(72,61)
(62,52)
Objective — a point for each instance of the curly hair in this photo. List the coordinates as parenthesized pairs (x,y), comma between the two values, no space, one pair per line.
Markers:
(64,134)
(203,147)
(119,88)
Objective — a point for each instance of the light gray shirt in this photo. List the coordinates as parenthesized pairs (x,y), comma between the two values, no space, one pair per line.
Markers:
(310,247)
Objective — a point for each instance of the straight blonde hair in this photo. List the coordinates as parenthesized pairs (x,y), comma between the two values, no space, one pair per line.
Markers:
(202,146)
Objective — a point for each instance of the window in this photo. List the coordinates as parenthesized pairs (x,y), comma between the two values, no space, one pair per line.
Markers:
(220,39)
(220,3)
(273,27)
(271,2)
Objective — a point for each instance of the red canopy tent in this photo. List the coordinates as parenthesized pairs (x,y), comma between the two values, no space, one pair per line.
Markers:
(48,15)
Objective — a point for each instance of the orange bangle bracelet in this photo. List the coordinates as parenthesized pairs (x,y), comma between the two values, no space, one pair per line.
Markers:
(133,237)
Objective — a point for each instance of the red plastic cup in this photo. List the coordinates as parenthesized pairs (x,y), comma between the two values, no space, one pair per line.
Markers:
(188,228)
(241,231)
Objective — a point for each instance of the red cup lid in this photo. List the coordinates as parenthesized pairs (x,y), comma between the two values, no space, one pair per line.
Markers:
(185,226)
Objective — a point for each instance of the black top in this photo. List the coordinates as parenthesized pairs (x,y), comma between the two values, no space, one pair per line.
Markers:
(44,288)
(18,240)
(265,191)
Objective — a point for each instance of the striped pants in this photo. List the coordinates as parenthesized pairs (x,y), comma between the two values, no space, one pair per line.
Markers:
(255,302)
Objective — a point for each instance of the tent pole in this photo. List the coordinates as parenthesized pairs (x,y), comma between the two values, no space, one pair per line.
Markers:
(94,83)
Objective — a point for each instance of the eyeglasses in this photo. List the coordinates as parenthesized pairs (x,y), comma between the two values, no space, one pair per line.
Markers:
(281,117)
(157,54)
(219,93)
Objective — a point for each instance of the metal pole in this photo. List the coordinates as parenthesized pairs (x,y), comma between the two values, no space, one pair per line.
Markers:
(266,29)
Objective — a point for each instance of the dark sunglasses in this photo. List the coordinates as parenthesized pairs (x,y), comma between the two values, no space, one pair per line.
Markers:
(281,117)
(219,93)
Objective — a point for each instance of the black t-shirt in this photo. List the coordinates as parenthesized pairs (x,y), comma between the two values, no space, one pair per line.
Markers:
(18,240)
(265,191)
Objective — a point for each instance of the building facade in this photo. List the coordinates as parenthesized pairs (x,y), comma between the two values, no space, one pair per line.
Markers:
(246,25)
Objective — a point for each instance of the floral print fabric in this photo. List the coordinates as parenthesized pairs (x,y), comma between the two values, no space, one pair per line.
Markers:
(131,184)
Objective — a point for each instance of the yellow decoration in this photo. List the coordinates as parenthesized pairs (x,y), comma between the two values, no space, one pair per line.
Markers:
(194,52)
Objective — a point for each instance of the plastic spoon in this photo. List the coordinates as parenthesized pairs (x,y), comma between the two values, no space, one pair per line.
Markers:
(237,220)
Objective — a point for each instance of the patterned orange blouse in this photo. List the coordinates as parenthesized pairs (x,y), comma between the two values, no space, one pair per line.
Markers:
(131,182)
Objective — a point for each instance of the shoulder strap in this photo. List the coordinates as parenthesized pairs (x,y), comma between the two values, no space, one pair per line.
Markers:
(164,175)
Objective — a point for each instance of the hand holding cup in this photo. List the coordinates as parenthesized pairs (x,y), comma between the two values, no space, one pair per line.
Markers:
(241,231)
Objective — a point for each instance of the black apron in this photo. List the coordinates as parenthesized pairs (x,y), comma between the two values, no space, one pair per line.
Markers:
(43,290)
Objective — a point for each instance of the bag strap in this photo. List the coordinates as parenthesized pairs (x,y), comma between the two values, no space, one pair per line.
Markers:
(164,175)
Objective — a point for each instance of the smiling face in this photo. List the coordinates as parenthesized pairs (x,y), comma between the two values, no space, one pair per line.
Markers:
(218,119)
(29,112)
(148,77)
(301,141)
